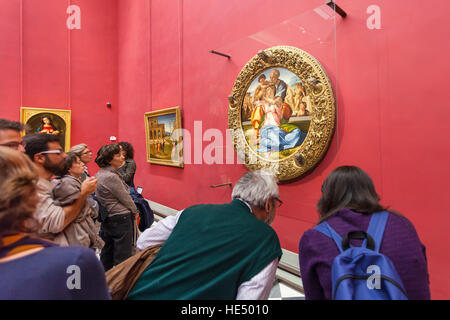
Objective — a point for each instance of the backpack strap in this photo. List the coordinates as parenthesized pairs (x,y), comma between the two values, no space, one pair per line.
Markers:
(328,231)
(376,227)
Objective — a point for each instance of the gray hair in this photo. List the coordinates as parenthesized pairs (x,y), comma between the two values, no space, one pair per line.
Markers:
(255,187)
(78,149)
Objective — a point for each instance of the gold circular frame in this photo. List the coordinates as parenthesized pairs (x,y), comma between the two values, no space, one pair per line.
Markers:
(323,116)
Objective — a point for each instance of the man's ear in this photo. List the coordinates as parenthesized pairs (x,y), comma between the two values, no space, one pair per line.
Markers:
(269,204)
(39,158)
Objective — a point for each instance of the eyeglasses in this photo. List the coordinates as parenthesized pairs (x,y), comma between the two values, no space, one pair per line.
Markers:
(52,151)
(13,145)
(279,202)
(86,152)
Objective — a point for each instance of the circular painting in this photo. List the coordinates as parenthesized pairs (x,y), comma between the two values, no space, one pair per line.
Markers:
(282,112)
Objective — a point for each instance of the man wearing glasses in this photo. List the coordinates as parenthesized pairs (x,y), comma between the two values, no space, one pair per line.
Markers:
(216,251)
(48,157)
(10,134)
(85,155)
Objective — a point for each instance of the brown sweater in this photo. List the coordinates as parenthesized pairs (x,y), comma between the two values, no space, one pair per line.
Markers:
(113,193)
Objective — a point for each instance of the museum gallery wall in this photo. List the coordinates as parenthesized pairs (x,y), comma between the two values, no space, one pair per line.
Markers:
(386,68)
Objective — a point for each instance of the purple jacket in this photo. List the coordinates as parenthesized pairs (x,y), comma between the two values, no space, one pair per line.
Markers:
(400,243)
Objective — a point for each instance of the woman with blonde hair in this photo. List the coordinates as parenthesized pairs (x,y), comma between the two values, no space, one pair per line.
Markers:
(34,268)
(85,155)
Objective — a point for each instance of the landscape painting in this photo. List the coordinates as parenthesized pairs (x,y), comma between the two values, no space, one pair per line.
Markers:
(163,137)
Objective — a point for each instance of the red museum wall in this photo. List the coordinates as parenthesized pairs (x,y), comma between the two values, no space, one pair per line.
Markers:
(147,55)
(45,65)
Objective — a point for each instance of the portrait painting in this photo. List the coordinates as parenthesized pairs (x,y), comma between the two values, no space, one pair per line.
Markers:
(282,112)
(164,137)
(50,121)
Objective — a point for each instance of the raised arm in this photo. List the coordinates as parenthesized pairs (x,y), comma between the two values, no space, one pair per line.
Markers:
(72,211)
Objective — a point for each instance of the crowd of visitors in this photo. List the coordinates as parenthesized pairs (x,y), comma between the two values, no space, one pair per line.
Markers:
(55,216)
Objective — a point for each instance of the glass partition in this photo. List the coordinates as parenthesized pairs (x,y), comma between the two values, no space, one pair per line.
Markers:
(312,31)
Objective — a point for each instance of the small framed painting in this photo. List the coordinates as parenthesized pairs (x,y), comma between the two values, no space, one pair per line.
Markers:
(164,137)
(51,121)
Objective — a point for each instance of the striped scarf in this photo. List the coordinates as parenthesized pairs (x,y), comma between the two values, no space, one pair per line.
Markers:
(14,244)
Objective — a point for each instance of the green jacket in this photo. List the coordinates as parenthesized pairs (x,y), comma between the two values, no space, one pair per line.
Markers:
(211,251)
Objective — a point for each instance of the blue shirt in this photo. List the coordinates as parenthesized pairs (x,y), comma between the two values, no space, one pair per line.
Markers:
(281,90)
(55,273)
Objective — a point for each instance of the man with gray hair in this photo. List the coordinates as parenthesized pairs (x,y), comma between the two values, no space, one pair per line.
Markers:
(216,251)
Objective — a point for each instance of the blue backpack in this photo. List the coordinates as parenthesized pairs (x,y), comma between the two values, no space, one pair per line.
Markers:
(363,273)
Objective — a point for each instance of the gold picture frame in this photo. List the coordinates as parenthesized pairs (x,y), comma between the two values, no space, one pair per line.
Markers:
(164,138)
(59,122)
(290,139)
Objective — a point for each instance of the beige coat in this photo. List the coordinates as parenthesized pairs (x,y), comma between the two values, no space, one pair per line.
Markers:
(49,215)
(83,231)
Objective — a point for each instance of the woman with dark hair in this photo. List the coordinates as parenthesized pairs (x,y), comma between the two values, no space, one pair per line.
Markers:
(32,268)
(83,231)
(348,202)
(118,229)
(129,168)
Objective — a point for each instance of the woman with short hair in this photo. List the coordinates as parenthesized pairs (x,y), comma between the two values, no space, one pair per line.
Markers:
(85,155)
(348,202)
(118,229)
(83,231)
(32,268)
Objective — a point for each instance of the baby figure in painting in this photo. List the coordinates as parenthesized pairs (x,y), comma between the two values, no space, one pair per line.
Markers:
(260,90)
(258,101)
